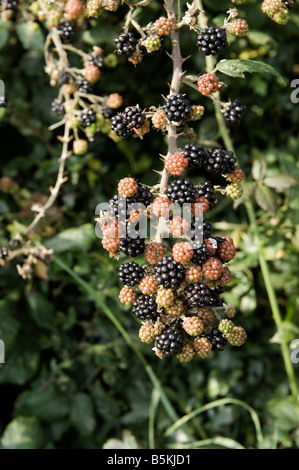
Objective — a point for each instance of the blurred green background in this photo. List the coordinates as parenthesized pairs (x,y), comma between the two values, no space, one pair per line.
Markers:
(71,380)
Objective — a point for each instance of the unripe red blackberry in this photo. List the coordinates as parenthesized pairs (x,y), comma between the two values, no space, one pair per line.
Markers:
(165,298)
(206,316)
(225,325)
(114,101)
(182,252)
(161,206)
(163,26)
(176,164)
(80,147)
(147,333)
(111,229)
(194,326)
(154,252)
(74,8)
(234,191)
(237,336)
(187,353)
(226,249)
(111,244)
(212,40)
(176,310)
(207,84)
(226,277)
(92,73)
(200,206)
(178,225)
(202,347)
(149,285)
(236,176)
(230,311)
(127,187)
(144,129)
(159,120)
(212,269)
(196,113)
(238,27)
(193,274)
(169,342)
(276,10)
(127,296)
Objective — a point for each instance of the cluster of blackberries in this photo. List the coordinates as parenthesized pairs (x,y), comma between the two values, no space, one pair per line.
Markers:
(124,123)
(211,161)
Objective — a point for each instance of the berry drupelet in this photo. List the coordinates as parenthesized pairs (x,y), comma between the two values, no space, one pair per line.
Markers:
(212,40)
(130,274)
(177,109)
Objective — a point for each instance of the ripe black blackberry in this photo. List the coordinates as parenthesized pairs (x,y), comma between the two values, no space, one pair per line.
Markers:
(84,86)
(10,4)
(201,229)
(119,207)
(200,295)
(108,112)
(143,196)
(3,103)
(170,341)
(234,112)
(87,117)
(169,273)
(207,190)
(181,191)
(195,155)
(66,31)
(98,60)
(130,273)
(126,44)
(219,161)
(132,246)
(289,3)
(177,109)
(200,255)
(57,107)
(145,307)
(64,77)
(134,117)
(212,40)
(119,125)
(217,339)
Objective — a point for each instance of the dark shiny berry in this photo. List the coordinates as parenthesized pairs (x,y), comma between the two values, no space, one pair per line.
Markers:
(66,31)
(130,273)
(57,107)
(126,44)
(212,40)
(177,109)
(87,117)
(195,155)
(207,190)
(132,246)
(84,86)
(234,112)
(119,125)
(217,339)
(170,341)
(145,307)
(169,273)
(134,117)
(181,191)
(219,161)
(200,295)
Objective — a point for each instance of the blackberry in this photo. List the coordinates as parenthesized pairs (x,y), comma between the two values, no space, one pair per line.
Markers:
(217,339)
(207,190)
(132,246)
(87,117)
(195,155)
(169,342)
(145,307)
(119,125)
(97,60)
(219,161)
(200,295)
(169,273)
(107,112)
(84,86)
(201,228)
(126,44)
(10,4)
(288,3)
(177,109)
(143,195)
(64,77)
(234,112)
(212,40)
(3,103)
(57,107)
(130,273)
(134,117)
(181,191)
(200,255)
(119,206)
(66,31)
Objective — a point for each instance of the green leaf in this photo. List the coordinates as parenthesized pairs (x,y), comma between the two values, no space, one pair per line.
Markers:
(265,199)
(258,169)
(285,413)
(8,325)
(82,414)
(21,363)
(73,239)
(237,68)
(286,332)
(4,33)
(31,36)
(281,181)
(22,433)
(48,405)
(41,310)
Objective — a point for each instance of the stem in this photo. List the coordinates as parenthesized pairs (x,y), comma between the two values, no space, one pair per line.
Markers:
(210,65)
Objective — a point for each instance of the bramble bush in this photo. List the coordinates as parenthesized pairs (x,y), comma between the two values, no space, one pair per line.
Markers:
(116,341)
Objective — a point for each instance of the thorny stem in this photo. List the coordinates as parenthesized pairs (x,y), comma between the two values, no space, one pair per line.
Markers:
(210,65)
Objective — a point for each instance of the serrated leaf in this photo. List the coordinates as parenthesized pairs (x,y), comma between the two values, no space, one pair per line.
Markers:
(48,405)
(22,433)
(73,239)
(258,169)
(82,414)
(287,332)
(281,181)
(265,199)
(237,68)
